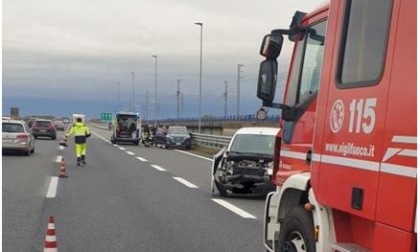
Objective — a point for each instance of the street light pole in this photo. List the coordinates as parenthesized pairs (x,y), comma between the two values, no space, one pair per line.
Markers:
(201,69)
(134,104)
(156,59)
(147,106)
(238,95)
(119,96)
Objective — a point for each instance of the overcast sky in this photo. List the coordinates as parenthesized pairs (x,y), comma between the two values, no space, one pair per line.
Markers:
(65,56)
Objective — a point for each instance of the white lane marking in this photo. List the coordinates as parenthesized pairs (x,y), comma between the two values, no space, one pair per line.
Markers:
(61,147)
(186,183)
(121,148)
(97,134)
(116,145)
(142,159)
(194,155)
(131,153)
(157,167)
(59,158)
(52,188)
(234,209)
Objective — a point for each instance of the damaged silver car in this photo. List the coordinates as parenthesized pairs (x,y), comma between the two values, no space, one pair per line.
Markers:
(244,167)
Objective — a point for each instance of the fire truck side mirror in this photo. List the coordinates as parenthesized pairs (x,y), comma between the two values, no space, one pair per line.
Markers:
(288,113)
(271,46)
(267,79)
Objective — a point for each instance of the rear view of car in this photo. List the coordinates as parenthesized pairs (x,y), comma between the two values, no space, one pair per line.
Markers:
(44,128)
(59,125)
(17,137)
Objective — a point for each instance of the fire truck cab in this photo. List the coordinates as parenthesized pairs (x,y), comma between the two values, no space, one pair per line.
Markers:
(345,159)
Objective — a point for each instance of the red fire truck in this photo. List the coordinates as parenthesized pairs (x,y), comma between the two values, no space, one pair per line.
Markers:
(345,160)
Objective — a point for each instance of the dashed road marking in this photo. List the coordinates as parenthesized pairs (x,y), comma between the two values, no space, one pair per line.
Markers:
(52,188)
(194,155)
(157,167)
(234,209)
(142,159)
(121,148)
(186,183)
(131,153)
(59,158)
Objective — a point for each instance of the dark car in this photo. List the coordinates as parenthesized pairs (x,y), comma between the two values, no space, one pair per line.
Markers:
(178,137)
(44,128)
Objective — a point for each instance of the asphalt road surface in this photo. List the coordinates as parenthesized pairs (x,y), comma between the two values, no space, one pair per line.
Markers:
(127,198)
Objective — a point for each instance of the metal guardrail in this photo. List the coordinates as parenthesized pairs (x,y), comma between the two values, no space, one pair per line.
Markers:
(215,141)
(211,140)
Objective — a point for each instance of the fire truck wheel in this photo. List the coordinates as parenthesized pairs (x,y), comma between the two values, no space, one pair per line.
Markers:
(296,233)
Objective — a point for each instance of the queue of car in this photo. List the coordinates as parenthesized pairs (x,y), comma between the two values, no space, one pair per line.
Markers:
(19,135)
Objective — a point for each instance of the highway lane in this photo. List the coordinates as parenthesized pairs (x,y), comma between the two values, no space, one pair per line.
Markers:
(194,168)
(120,202)
(25,183)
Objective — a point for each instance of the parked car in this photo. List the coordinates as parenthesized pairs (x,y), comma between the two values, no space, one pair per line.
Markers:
(59,125)
(160,136)
(245,165)
(17,137)
(178,137)
(44,128)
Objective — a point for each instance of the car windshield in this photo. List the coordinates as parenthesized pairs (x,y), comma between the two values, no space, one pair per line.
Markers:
(251,143)
(12,127)
(177,130)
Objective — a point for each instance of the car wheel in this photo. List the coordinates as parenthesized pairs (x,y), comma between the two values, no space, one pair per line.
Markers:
(33,150)
(212,185)
(296,232)
(222,190)
(54,137)
(27,152)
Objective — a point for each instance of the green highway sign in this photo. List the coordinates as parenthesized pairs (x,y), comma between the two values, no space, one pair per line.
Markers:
(106,116)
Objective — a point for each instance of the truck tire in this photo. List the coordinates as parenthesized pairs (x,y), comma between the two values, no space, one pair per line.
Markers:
(297,232)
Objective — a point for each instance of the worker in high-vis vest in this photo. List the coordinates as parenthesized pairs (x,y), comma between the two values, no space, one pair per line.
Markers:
(81,132)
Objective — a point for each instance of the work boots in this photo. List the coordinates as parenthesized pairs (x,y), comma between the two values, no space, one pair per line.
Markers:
(83,159)
(78,161)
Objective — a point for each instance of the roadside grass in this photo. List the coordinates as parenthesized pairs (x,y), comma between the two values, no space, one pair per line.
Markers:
(205,151)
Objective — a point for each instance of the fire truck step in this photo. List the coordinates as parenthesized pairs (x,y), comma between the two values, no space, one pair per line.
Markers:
(348,247)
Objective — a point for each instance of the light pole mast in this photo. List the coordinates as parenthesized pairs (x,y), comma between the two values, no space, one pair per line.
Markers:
(147,106)
(119,96)
(225,95)
(134,103)
(201,69)
(238,95)
(156,59)
(178,92)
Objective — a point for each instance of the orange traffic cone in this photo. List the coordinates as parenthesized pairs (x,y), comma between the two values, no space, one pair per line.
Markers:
(50,244)
(63,169)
